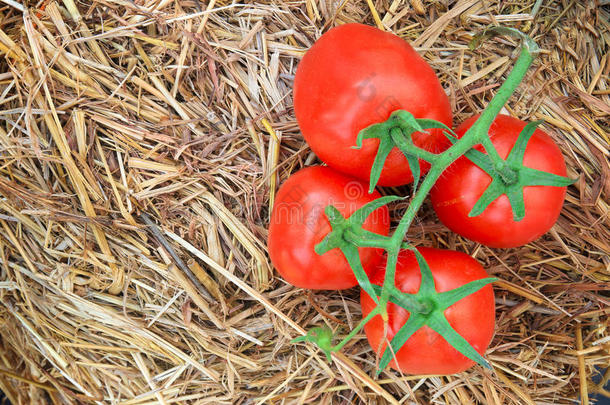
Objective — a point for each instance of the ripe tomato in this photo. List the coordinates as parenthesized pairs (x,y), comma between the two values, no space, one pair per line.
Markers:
(473,317)
(354,76)
(461,185)
(298,223)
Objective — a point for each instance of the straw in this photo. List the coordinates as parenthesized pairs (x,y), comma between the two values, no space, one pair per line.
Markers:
(181,112)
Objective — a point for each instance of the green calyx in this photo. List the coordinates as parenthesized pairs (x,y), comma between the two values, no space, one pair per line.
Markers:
(506,173)
(510,176)
(427,307)
(322,336)
(347,235)
(396,133)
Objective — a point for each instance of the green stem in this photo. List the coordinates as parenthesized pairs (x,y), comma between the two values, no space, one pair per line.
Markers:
(364,238)
(408,148)
(492,152)
(410,302)
(473,136)
(405,300)
(354,331)
(388,281)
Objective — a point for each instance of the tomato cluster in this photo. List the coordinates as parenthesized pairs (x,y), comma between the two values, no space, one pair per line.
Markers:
(355,76)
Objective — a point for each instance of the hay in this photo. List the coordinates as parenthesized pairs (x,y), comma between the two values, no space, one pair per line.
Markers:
(182,110)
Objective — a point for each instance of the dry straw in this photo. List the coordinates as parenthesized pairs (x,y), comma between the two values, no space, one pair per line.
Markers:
(182,111)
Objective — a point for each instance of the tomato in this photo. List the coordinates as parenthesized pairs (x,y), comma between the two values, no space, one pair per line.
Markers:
(354,76)
(473,317)
(298,223)
(461,185)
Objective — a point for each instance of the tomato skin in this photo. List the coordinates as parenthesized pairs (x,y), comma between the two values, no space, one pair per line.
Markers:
(298,223)
(426,352)
(354,76)
(461,185)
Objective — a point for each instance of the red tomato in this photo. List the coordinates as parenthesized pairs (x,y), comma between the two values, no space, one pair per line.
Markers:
(298,223)
(461,185)
(473,317)
(354,76)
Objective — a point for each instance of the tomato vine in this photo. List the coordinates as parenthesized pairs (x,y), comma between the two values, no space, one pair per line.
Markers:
(427,306)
